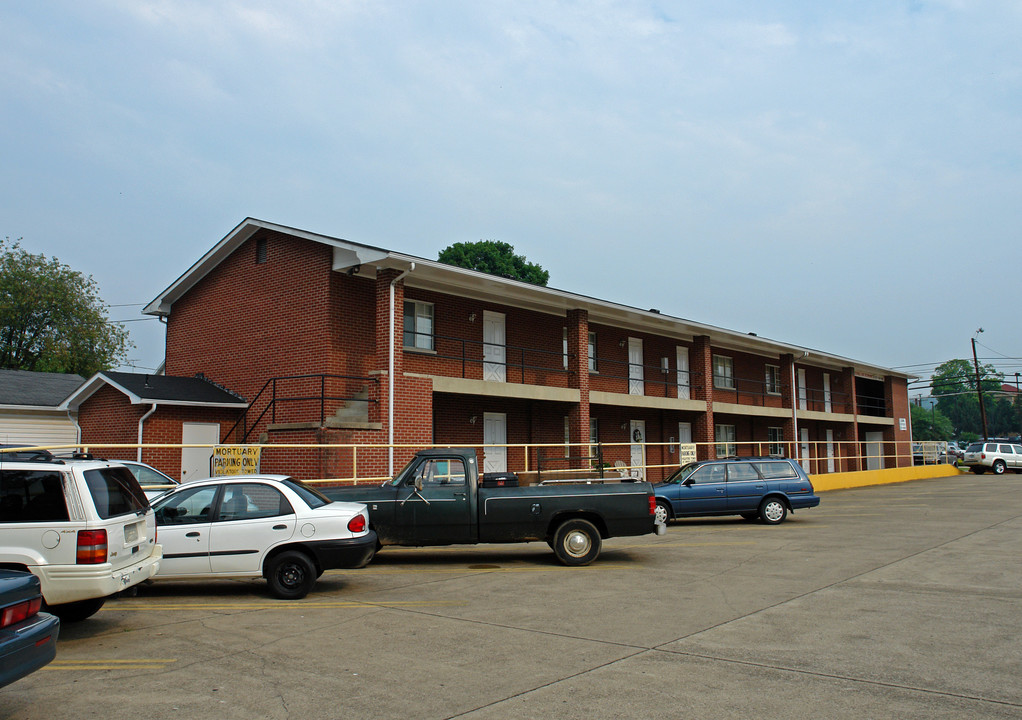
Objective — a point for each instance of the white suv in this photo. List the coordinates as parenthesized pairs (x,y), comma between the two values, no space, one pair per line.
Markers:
(994,456)
(82,526)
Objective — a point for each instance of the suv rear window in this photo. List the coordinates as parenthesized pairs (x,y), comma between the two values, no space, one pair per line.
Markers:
(31,496)
(115,491)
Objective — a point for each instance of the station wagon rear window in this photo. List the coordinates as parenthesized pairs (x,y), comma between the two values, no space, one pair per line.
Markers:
(776,470)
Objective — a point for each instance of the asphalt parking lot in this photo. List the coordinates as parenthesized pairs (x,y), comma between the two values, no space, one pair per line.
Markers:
(899,601)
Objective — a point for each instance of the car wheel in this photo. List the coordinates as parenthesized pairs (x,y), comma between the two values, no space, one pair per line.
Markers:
(773,511)
(663,513)
(998,467)
(577,542)
(291,575)
(76,611)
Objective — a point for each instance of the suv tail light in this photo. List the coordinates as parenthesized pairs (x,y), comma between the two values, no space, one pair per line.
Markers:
(652,505)
(20,611)
(357,524)
(91,547)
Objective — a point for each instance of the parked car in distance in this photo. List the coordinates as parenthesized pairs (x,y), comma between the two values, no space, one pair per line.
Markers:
(81,525)
(997,457)
(153,482)
(251,526)
(767,488)
(28,637)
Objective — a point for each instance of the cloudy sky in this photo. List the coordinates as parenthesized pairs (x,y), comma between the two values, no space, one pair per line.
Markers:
(846,176)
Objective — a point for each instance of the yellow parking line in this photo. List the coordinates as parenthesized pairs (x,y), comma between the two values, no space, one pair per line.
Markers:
(281,605)
(136,664)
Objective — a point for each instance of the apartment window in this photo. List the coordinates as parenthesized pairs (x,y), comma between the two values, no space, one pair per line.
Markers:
(773,380)
(776,436)
(723,372)
(725,437)
(260,251)
(567,436)
(592,349)
(418,331)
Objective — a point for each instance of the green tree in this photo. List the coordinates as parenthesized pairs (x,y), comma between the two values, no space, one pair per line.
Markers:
(954,386)
(929,424)
(496,258)
(52,318)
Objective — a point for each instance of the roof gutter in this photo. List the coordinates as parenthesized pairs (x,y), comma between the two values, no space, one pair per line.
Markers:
(390,374)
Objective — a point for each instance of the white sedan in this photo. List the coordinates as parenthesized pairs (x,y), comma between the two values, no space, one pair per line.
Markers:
(269,526)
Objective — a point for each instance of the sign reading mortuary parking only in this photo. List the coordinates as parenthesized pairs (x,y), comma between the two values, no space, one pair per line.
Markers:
(235,460)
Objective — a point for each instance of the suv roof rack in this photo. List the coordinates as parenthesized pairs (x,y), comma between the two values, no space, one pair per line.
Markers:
(26,455)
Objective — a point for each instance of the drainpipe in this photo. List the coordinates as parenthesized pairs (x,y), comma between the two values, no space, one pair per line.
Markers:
(794,403)
(390,373)
(78,428)
(141,421)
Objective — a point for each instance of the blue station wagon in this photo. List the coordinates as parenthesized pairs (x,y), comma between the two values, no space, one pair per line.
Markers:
(767,488)
(28,638)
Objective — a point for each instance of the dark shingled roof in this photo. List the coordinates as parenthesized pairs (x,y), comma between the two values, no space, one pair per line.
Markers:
(21,387)
(163,388)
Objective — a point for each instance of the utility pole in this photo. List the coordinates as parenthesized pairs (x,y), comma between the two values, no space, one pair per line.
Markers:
(979,388)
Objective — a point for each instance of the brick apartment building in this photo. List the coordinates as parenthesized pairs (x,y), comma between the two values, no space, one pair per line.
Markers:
(321,340)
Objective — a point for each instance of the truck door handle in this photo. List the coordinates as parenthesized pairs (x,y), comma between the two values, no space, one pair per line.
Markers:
(192,534)
(459,494)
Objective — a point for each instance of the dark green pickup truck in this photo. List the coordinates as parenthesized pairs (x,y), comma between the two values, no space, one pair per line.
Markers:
(438,499)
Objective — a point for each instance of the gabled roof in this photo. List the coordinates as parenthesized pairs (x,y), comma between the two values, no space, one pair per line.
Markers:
(22,388)
(145,389)
(364,261)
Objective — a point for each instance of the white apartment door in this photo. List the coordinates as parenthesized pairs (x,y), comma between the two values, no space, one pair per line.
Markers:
(803,392)
(494,349)
(804,457)
(638,448)
(635,370)
(495,440)
(827,405)
(684,383)
(874,451)
(684,432)
(830,450)
(195,462)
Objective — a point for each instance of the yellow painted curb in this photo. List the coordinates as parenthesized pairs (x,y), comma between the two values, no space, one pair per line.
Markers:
(845,480)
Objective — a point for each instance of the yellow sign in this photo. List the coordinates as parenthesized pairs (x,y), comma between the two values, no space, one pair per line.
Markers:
(686,453)
(235,460)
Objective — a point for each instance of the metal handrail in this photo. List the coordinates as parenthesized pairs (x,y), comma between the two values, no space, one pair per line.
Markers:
(322,397)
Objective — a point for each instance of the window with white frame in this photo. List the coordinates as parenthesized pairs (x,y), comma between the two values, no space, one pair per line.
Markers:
(564,347)
(723,372)
(418,327)
(725,437)
(773,380)
(776,437)
(592,351)
(567,436)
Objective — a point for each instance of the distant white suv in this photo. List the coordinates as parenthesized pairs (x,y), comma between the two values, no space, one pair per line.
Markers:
(82,526)
(993,456)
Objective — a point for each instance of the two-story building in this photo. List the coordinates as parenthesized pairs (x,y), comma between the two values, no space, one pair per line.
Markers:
(330,341)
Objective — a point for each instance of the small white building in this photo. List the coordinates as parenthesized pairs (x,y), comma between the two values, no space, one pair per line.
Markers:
(30,411)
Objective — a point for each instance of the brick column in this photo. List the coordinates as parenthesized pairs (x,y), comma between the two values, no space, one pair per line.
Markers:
(578,366)
(701,361)
(788,401)
(853,450)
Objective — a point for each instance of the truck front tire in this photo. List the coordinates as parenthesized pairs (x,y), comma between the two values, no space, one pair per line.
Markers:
(577,542)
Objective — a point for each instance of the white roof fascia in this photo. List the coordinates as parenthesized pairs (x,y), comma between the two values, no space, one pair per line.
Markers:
(434,275)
